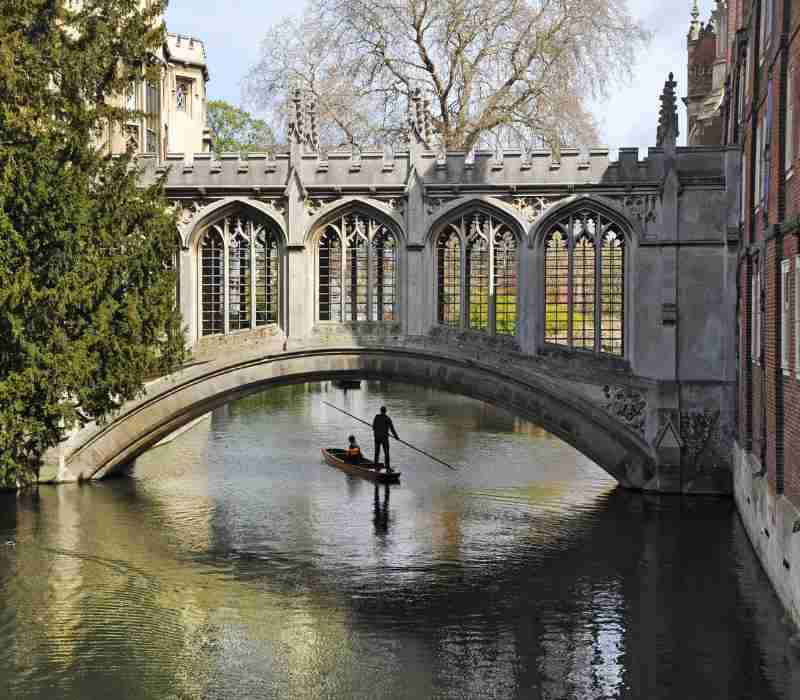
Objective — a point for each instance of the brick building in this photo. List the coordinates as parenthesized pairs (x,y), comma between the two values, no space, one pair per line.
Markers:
(745,66)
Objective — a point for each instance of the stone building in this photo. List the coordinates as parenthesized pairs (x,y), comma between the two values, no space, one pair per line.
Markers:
(758,42)
(174,107)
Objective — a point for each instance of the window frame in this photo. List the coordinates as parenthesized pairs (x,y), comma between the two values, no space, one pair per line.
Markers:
(606,224)
(785,311)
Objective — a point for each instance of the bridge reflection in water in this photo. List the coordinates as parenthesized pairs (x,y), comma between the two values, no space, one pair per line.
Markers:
(236,564)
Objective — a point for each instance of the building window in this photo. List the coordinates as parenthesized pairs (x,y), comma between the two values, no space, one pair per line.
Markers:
(152,116)
(785,310)
(584,283)
(755,314)
(212,255)
(790,135)
(797,314)
(183,95)
(486,250)
(757,184)
(240,290)
(357,263)
(448,259)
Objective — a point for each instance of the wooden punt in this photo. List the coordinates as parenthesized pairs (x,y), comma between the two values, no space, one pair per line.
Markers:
(366,470)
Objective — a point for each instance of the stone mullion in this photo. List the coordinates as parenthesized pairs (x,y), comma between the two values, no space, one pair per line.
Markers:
(598,287)
(371,274)
(570,280)
(252,236)
(492,320)
(464,281)
(226,273)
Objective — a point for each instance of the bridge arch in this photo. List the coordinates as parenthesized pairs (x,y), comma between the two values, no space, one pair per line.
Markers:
(349,205)
(174,401)
(225,207)
(491,205)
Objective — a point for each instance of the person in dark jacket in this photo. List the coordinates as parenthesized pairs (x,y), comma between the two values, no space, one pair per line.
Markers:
(381,427)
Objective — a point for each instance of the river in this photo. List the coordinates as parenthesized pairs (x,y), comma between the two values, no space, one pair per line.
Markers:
(234,563)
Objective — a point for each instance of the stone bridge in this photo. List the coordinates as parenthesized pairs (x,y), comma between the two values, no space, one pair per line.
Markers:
(594,297)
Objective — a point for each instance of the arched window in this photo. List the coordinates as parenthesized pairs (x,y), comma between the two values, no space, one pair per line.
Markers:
(359,282)
(584,283)
(488,292)
(212,292)
(250,274)
(448,255)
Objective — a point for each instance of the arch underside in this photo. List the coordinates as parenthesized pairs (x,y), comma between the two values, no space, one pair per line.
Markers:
(176,400)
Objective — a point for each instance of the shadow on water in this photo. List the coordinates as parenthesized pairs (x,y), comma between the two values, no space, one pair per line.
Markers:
(235,564)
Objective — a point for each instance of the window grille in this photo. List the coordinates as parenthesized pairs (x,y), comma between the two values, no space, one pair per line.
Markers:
(358,282)
(583,295)
(448,253)
(183,90)
(384,262)
(477,277)
(612,310)
(239,280)
(356,269)
(505,282)
(556,288)
(267,277)
(212,283)
(485,249)
(786,307)
(330,276)
(584,284)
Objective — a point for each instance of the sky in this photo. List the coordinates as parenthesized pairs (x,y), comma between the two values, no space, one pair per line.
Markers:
(232,31)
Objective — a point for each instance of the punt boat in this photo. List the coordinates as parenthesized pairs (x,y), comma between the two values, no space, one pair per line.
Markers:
(365,469)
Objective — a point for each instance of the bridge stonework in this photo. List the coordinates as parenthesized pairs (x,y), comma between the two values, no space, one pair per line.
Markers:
(657,412)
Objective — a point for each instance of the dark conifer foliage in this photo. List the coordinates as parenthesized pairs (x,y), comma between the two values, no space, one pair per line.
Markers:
(87,286)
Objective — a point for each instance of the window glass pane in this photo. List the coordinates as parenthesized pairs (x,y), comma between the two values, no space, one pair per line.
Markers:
(583,293)
(448,253)
(556,290)
(267,278)
(239,280)
(356,273)
(477,277)
(384,262)
(212,280)
(505,281)
(330,276)
(612,292)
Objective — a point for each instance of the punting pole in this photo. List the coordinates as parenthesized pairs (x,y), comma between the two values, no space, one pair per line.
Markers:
(403,442)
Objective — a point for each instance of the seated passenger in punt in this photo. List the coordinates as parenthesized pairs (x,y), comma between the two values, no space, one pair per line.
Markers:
(353,452)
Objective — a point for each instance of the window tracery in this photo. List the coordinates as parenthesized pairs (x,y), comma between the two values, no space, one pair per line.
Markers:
(240,274)
(488,291)
(357,259)
(584,283)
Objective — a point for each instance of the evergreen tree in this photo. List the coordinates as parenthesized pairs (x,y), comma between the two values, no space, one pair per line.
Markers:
(87,286)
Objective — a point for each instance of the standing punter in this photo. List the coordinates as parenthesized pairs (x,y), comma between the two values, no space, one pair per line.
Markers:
(381,426)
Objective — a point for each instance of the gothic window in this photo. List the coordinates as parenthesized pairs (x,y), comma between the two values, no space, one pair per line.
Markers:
(448,254)
(239,280)
(357,258)
(267,277)
(212,253)
(183,95)
(153,110)
(240,270)
(488,291)
(584,283)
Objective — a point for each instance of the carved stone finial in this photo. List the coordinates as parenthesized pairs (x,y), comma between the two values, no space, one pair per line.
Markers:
(419,120)
(668,115)
(695,26)
(312,118)
(296,116)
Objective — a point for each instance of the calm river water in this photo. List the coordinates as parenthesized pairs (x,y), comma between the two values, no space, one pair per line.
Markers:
(235,564)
